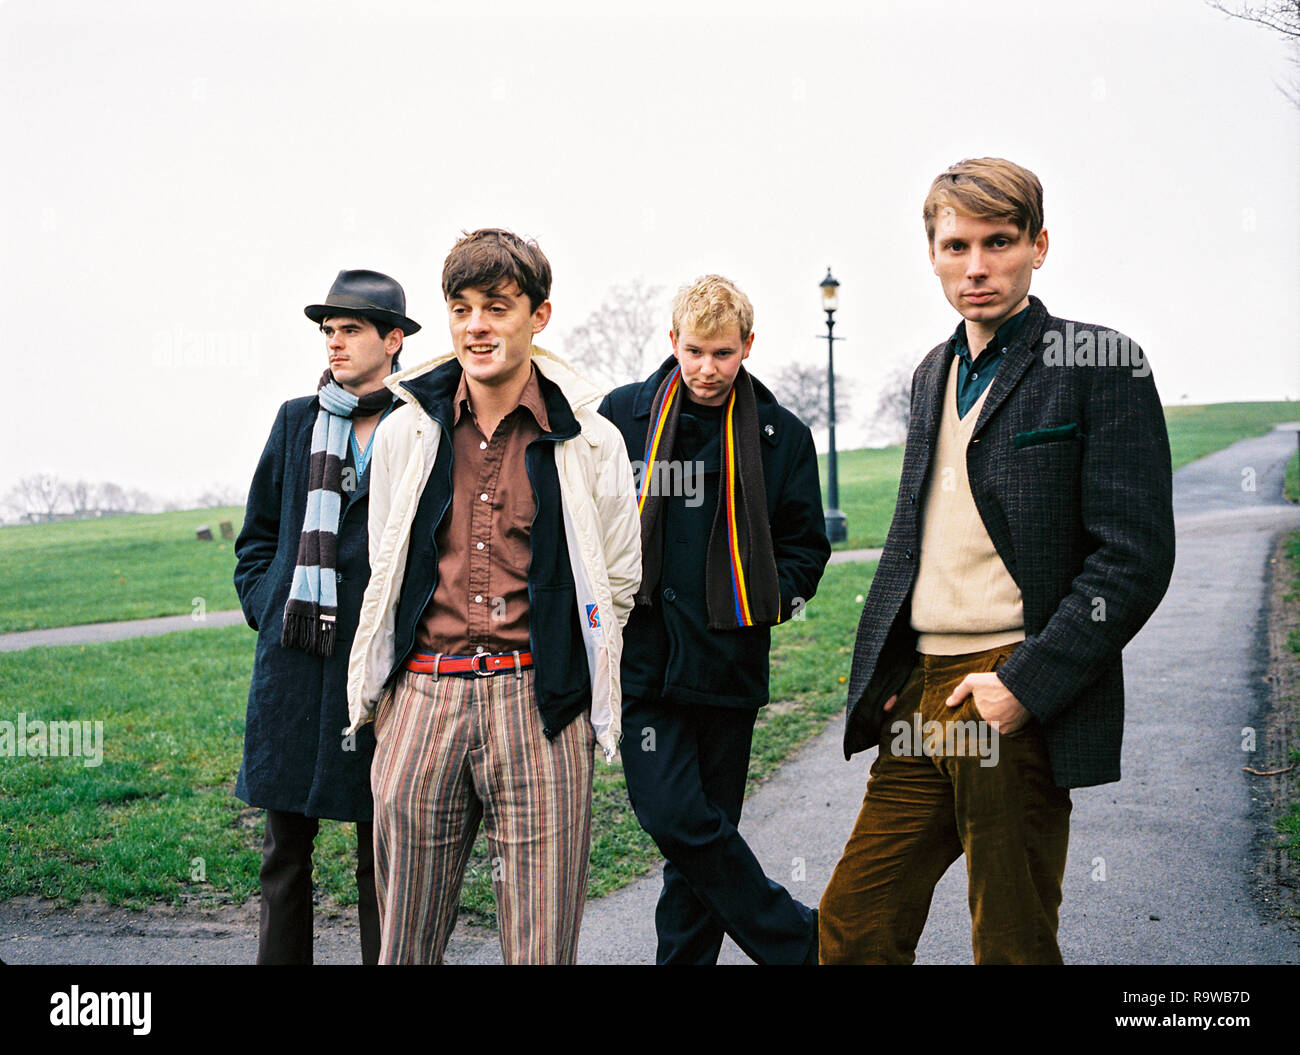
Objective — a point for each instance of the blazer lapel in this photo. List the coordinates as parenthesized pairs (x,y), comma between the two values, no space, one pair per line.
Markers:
(1014,364)
(933,382)
(1018,358)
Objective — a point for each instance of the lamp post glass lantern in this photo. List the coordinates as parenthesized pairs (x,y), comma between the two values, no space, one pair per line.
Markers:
(836,525)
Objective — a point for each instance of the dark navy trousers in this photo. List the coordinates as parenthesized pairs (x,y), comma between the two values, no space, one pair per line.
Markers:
(685,767)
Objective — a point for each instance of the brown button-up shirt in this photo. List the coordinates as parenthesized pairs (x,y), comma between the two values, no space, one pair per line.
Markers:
(481,601)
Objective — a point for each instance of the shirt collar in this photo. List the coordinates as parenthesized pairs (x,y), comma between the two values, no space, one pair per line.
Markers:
(530,399)
(1006,333)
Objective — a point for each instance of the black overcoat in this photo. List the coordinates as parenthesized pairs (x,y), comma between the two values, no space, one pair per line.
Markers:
(296,756)
(1070,471)
(669,652)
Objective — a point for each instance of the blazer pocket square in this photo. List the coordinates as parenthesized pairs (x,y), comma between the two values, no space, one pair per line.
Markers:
(1054,435)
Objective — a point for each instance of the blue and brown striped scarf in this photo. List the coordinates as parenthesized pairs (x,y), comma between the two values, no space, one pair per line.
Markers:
(311,613)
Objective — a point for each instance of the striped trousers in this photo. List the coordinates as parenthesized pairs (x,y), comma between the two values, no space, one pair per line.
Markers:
(451,752)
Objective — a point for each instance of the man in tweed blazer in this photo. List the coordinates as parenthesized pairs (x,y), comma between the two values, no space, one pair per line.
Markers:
(1032,538)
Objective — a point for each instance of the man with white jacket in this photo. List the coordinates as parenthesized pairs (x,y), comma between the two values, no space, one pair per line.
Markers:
(504,552)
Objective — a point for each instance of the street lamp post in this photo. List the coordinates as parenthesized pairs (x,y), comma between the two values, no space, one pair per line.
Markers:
(836,525)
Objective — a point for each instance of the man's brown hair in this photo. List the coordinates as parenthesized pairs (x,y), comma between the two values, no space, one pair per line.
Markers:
(490,259)
(987,189)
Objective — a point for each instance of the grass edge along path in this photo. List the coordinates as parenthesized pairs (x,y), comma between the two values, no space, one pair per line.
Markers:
(1289,823)
(156,819)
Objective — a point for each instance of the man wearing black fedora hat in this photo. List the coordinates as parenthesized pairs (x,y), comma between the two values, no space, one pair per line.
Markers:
(302,567)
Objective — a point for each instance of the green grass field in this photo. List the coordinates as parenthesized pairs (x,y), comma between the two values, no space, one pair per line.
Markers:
(127,567)
(1197,431)
(156,820)
(135,567)
(868,488)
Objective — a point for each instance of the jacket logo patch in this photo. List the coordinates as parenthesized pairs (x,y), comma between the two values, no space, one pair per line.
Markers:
(593,616)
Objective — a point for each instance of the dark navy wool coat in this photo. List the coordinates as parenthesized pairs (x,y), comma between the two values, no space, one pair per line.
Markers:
(669,652)
(296,757)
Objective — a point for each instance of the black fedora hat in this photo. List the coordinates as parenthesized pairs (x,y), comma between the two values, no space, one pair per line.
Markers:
(368,294)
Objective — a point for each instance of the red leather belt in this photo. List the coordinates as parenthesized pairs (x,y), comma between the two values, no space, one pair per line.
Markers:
(484,664)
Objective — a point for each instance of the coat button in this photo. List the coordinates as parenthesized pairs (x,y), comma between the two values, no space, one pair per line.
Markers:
(338,576)
(907,555)
(670,595)
(911,499)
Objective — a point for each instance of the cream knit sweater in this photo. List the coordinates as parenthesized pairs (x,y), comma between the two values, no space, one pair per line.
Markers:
(964,599)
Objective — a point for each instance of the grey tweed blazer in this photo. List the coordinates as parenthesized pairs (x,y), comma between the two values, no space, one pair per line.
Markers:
(1070,471)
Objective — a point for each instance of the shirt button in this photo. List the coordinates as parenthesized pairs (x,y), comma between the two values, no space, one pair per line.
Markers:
(482,445)
(479,545)
(483,497)
(478,599)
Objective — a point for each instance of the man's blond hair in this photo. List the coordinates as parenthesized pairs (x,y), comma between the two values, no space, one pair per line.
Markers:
(709,304)
(987,189)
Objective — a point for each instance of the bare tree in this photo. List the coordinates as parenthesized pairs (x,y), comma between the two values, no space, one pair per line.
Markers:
(221,495)
(38,497)
(82,498)
(611,345)
(801,389)
(893,412)
(138,501)
(110,498)
(45,496)
(1283,18)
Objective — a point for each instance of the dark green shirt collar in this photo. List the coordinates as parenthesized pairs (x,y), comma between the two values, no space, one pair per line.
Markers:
(975,375)
(1006,333)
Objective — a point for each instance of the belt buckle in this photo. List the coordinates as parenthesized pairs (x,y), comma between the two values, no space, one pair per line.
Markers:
(473,664)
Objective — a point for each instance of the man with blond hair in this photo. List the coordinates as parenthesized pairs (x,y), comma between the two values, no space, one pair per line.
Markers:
(733,541)
(503,538)
(1032,538)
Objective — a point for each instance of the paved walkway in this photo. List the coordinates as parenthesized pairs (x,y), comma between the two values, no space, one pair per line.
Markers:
(1172,839)
(93,633)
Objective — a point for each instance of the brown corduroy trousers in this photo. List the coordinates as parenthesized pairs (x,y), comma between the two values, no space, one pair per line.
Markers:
(941,786)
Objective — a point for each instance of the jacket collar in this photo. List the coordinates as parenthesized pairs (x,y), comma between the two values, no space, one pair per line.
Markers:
(768,419)
(432,386)
(1019,356)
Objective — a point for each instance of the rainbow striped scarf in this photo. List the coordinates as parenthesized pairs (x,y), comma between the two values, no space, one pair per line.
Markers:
(740,569)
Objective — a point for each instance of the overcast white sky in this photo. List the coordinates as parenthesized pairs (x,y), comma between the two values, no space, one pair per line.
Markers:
(181,179)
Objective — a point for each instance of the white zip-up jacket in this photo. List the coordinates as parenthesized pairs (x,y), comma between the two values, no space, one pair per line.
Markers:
(601,529)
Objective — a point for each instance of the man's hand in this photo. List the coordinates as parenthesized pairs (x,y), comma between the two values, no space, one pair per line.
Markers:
(995,703)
